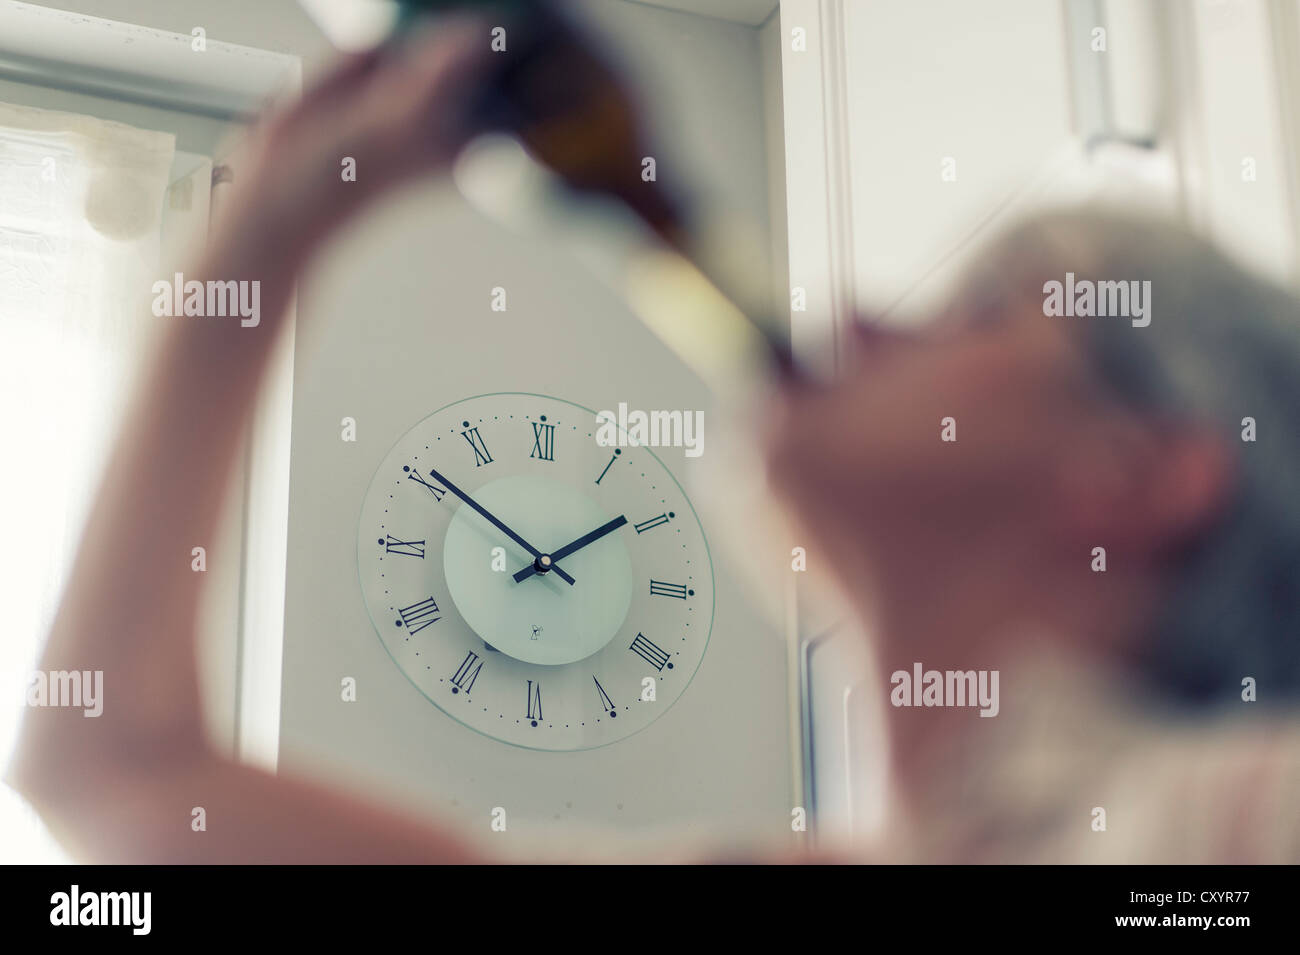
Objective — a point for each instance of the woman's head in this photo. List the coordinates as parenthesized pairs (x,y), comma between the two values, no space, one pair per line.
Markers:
(974,466)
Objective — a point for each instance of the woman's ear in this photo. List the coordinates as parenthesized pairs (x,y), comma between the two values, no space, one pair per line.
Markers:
(1143,488)
(1192,479)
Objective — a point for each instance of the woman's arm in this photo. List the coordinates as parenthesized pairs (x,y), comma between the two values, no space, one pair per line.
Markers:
(122,786)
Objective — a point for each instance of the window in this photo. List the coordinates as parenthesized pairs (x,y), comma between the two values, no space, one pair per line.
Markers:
(81,210)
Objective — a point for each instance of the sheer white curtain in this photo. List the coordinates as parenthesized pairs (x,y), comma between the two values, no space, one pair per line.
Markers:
(81,205)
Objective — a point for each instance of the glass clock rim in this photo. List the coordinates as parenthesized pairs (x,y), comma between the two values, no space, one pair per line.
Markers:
(713,577)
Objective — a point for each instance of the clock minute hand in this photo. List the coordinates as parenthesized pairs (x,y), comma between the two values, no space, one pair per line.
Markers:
(576,545)
(559,572)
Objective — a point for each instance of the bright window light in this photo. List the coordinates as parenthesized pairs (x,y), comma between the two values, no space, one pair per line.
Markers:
(80,211)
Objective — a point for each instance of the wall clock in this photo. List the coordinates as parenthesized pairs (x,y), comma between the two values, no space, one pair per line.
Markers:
(541,588)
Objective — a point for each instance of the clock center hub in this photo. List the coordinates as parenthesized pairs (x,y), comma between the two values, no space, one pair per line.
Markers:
(541,619)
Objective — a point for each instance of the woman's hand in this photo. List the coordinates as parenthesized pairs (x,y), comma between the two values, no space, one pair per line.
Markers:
(397,112)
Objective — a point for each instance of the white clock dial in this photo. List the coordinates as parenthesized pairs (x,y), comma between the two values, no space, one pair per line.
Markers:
(454,552)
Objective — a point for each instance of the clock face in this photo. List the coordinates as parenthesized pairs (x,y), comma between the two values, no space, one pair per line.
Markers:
(539,587)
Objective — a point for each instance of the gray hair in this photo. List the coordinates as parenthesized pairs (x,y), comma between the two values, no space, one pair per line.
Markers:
(1223,344)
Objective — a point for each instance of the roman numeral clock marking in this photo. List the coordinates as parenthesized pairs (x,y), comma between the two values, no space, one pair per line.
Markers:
(543,441)
(481,454)
(606,703)
(419,615)
(613,457)
(403,548)
(660,589)
(534,702)
(466,673)
(648,651)
(654,522)
(414,475)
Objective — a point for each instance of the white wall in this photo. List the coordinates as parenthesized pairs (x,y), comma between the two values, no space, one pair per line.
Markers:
(1238,103)
(984,84)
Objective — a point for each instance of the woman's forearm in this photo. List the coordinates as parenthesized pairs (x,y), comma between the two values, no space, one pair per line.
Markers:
(124,787)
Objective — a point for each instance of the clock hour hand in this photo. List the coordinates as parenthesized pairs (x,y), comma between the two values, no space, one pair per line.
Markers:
(569,548)
(501,527)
